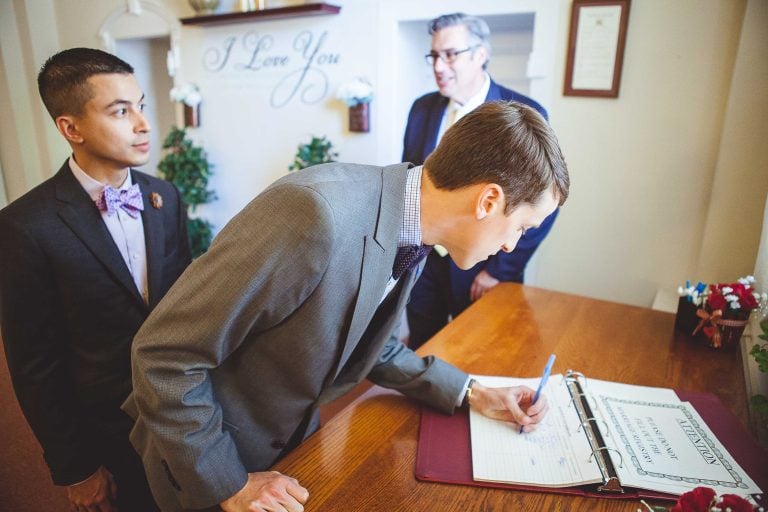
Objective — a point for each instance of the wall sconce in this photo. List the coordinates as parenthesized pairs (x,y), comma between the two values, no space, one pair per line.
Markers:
(360,118)
(358,95)
(189,96)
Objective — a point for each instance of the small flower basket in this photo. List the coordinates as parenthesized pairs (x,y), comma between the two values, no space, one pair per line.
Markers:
(686,319)
(720,332)
(189,96)
(360,118)
(717,314)
(358,95)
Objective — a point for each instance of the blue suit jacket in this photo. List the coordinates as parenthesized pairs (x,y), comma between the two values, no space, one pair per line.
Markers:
(420,140)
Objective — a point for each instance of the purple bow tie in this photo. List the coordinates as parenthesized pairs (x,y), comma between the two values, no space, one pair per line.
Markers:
(408,256)
(129,200)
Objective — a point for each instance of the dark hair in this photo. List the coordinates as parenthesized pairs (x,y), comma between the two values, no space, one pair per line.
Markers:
(63,79)
(479,33)
(506,143)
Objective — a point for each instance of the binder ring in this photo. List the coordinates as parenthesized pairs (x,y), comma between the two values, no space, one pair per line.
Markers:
(586,396)
(575,377)
(621,457)
(605,432)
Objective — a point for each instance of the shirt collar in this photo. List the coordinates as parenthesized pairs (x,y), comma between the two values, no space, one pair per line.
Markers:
(93,187)
(473,102)
(410,229)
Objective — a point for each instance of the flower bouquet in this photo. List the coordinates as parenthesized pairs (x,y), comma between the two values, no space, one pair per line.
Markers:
(721,310)
(355,92)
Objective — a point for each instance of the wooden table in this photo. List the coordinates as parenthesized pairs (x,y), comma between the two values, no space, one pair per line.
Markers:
(364,458)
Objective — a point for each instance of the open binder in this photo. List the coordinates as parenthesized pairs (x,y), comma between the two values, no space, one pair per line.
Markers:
(445,454)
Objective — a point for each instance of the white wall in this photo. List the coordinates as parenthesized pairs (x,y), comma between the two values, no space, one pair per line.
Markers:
(643,165)
(652,171)
(732,229)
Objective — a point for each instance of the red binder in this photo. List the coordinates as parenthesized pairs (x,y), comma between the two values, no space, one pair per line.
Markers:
(444,453)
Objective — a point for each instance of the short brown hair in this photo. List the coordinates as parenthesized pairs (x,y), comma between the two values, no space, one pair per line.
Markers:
(506,143)
(63,79)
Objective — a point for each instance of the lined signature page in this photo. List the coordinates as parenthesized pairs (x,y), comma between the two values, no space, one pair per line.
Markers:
(557,454)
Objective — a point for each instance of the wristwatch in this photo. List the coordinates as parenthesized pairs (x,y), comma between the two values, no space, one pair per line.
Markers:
(468,394)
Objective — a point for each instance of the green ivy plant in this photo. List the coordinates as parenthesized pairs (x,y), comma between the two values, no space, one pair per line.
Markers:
(186,166)
(319,151)
(760,353)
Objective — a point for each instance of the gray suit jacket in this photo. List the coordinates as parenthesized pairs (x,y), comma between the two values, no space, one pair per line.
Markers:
(259,332)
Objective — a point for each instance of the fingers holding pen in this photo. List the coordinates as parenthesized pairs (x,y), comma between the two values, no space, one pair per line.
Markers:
(512,404)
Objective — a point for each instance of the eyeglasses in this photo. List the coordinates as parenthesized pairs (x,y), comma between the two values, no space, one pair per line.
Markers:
(448,56)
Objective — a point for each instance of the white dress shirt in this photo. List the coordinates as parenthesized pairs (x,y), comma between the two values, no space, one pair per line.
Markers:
(126,231)
(454,111)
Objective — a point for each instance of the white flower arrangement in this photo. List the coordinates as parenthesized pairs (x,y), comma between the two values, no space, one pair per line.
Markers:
(355,92)
(188,94)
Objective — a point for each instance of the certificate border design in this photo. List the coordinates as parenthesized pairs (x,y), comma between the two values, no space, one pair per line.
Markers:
(738,479)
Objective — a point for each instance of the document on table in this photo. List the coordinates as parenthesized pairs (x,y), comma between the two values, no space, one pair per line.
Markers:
(652,439)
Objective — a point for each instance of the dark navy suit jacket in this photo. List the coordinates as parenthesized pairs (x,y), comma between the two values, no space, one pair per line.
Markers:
(420,140)
(69,309)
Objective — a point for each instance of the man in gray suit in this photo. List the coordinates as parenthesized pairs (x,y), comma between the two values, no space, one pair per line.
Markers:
(298,299)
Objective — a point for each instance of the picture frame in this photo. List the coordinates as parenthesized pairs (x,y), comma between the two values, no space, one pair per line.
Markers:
(596,45)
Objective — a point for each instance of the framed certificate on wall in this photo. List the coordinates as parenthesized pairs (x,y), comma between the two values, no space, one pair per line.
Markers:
(596,47)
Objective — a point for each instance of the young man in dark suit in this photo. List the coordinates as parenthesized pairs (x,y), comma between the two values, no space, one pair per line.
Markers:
(84,257)
(460,53)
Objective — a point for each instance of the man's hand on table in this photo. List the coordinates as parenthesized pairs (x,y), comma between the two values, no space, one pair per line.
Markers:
(268,491)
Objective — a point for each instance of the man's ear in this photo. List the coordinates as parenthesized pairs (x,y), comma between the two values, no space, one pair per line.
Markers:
(481,53)
(490,199)
(67,126)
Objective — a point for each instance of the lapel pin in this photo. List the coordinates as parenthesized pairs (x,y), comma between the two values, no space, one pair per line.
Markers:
(156,200)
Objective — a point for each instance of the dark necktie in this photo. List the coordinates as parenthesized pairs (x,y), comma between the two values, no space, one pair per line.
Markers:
(129,200)
(407,257)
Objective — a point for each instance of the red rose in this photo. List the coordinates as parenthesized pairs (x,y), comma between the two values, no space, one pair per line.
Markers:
(734,503)
(697,500)
(716,301)
(747,300)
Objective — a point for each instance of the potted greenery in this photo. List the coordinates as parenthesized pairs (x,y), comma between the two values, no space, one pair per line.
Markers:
(186,166)
(319,151)
(759,402)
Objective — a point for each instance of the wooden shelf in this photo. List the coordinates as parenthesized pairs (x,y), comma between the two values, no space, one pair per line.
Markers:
(293,11)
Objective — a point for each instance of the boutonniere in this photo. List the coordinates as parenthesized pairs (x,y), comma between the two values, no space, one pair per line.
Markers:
(156,200)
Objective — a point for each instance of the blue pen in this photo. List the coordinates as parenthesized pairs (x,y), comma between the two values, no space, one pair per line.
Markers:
(543,382)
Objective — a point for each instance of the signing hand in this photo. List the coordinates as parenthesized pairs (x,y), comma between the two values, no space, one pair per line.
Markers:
(268,492)
(481,285)
(96,494)
(510,404)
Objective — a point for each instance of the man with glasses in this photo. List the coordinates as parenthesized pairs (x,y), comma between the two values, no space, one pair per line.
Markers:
(459,57)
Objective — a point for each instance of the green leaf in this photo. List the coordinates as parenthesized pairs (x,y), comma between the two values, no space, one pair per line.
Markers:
(760,353)
(759,405)
(187,167)
(318,151)
(200,234)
